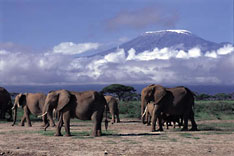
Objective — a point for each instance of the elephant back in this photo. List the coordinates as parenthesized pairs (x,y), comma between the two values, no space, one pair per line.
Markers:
(5,95)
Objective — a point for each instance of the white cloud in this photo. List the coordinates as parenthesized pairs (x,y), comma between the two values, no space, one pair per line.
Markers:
(194,52)
(225,50)
(3,52)
(211,54)
(116,57)
(157,66)
(70,48)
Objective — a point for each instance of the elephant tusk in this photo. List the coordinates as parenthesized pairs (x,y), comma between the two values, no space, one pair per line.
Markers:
(42,115)
(144,112)
(13,107)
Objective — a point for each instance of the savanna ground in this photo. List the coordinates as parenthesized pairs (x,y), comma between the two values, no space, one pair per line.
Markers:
(130,137)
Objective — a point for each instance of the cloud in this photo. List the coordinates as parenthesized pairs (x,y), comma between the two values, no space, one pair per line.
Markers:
(225,50)
(143,17)
(167,66)
(70,48)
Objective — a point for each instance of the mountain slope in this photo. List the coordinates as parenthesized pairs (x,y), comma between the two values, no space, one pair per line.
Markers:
(176,39)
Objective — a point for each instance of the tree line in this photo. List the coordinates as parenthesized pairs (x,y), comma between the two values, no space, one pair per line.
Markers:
(128,93)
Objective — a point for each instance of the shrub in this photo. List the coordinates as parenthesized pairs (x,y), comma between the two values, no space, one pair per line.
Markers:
(131,109)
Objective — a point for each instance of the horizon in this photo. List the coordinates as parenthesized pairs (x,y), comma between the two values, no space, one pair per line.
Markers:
(207,89)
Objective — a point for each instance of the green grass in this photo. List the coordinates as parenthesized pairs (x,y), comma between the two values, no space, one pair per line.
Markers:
(110,142)
(213,110)
(46,133)
(129,141)
(224,126)
(186,135)
(204,110)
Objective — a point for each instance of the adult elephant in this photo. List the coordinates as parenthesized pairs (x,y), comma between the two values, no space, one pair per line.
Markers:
(113,107)
(172,101)
(5,104)
(32,103)
(88,105)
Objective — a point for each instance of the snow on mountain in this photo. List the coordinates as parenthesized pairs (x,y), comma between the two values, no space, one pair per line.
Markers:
(177,31)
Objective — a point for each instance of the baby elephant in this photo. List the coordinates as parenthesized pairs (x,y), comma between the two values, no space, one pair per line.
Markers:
(166,118)
(148,113)
(113,108)
(32,103)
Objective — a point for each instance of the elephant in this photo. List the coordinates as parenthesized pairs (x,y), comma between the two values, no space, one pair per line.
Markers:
(87,105)
(5,104)
(166,118)
(32,103)
(172,101)
(113,107)
(148,112)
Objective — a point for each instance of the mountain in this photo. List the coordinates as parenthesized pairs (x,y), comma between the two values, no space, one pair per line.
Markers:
(176,39)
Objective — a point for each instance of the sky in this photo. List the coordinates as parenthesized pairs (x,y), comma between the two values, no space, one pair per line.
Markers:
(40,41)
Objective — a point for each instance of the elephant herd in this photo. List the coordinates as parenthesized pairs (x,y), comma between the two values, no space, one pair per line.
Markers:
(157,104)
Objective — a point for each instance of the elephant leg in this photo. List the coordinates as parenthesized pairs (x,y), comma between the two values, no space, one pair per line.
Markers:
(50,117)
(117,116)
(167,124)
(27,113)
(185,127)
(96,118)
(99,124)
(174,124)
(156,115)
(181,121)
(59,126)
(23,118)
(45,122)
(113,118)
(148,118)
(194,125)
(66,119)
(160,123)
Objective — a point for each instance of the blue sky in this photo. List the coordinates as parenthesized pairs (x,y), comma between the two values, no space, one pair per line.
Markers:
(40,41)
(42,24)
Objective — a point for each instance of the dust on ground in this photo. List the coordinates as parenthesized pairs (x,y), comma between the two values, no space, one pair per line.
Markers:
(130,137)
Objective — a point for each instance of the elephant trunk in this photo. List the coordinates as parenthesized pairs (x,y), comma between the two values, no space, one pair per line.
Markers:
(44,115)
(15,114)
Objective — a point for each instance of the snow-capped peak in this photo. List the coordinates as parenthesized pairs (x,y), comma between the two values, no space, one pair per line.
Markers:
(177,31)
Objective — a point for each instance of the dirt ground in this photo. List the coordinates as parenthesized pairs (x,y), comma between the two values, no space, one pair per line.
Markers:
(129,137)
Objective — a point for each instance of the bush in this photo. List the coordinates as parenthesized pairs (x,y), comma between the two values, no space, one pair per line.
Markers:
(130,109)
(206,110)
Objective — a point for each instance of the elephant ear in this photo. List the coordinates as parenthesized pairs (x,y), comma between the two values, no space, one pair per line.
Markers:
(159,93)
(22,100)
(63,99)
